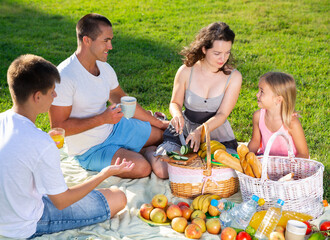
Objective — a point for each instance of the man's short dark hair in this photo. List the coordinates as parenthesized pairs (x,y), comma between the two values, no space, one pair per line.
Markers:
(28,74)
(89,24)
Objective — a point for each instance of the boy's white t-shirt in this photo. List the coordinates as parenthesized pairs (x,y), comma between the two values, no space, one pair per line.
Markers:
(88,96)
(29,169)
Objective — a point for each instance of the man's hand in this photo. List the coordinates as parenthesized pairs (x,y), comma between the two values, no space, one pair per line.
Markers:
(118,168)
(165,124)
(112,114)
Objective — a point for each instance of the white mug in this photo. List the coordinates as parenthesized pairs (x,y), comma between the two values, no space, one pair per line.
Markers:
(127,105)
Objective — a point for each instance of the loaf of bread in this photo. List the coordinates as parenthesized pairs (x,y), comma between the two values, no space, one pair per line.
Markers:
(247,168)
(255,164)
(288,177)
(242,150)
(225,158)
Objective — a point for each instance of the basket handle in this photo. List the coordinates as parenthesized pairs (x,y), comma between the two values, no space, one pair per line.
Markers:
(208,170)
(268,147)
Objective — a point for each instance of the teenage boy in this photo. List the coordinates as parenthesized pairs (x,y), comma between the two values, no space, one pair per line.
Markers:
(34,197)
(96,134)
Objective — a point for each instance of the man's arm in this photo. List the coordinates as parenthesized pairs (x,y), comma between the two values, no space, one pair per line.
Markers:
(77,192)
(140,113)
(59,116)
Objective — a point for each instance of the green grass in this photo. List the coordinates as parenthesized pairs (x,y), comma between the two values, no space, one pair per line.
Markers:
(289,36)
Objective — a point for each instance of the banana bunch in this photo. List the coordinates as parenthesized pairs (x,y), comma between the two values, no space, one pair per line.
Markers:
(202,202)
(215,145)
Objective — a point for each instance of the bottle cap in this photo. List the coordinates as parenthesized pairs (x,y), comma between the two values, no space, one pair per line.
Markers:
(261,201)
(255,198)
(214,202)
(280,201)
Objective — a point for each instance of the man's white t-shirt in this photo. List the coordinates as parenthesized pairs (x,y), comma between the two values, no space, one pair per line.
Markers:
(29,169)
(88,96)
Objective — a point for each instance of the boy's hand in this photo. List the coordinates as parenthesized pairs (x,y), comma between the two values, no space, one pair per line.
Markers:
(119,167)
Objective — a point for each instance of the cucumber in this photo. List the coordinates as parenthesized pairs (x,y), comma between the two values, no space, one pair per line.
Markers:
(176,157)
(185,149)
(169,153)
(184,158)
(175,153)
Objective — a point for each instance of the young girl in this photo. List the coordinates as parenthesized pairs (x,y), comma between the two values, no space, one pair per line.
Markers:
(277,98)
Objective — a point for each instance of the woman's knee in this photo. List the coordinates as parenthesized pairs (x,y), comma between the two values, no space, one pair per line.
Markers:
(159,168)
(161,173)
(142,168)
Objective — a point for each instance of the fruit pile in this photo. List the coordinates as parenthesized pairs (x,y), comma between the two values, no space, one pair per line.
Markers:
(203,203)
(183,217)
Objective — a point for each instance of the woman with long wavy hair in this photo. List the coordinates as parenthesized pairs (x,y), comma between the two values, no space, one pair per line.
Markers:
(208,86)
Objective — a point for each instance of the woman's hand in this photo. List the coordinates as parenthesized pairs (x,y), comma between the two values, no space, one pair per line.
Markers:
(178,122)
(195,139)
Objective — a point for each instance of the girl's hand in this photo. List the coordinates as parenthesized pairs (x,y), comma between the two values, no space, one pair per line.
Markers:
(195,139)
(118,168)
(178,122)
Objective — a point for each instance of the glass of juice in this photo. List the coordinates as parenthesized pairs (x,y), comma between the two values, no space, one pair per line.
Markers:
(57,134)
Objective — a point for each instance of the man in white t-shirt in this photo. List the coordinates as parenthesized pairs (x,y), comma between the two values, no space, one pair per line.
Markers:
(96,134)
(34,198)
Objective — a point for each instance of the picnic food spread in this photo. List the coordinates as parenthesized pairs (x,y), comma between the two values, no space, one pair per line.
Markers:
(233,221)
(200,216)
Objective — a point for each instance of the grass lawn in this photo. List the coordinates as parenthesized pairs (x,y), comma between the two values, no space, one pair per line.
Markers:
(289,36)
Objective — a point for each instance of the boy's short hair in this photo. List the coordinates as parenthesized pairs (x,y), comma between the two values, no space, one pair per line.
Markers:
(88,25)
(28,74)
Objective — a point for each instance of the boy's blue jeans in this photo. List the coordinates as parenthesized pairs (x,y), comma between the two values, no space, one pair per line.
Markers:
(91,209)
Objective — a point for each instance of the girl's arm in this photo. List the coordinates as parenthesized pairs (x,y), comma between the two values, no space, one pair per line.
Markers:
(254,144)
(227,105)
(298,136)
(177,99)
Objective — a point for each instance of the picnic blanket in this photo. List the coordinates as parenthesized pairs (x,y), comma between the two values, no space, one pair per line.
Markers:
(126,224)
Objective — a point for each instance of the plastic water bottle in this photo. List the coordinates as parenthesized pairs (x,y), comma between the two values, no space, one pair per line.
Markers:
(223,204)
(231,217)
(270,221)
(245,213)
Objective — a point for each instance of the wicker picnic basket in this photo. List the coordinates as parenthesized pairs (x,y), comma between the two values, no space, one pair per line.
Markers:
(303,194)
(199,178)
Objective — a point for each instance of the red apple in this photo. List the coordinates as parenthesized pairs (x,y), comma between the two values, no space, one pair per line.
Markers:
(158,215)
(173,211)
(193,231)
(198,213)
(179,224)
(228,234)
(213,226)
(186,212)
(159,201)
(168,204)
(145,210)
(243,236)
(180,204)
(200,222)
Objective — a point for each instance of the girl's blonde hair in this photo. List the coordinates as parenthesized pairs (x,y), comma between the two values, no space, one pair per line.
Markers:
(283,85)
